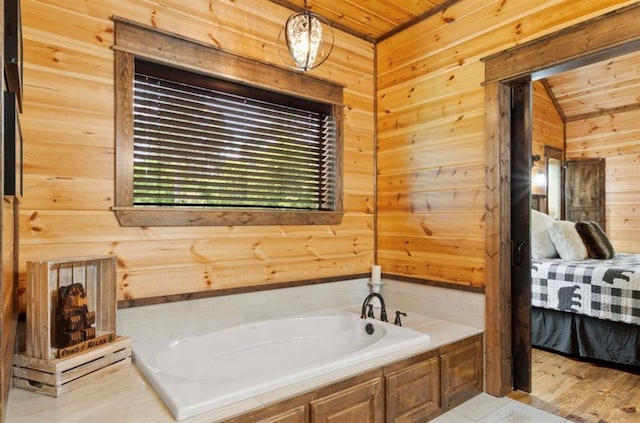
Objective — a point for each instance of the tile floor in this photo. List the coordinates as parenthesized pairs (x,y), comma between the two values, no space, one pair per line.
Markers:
(485,408)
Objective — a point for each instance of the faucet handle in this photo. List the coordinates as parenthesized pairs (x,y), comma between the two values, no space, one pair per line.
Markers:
(397,321)
(370,312)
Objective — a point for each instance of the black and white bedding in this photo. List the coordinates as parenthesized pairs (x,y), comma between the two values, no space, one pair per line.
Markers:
(604,289)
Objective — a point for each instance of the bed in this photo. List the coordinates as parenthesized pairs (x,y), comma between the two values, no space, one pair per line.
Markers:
(586,306)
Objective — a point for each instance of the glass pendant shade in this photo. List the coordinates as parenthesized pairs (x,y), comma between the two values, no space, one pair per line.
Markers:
(539,184)
(307,39)
(540,180)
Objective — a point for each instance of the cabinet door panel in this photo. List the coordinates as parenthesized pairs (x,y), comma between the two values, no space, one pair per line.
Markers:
(413,393)
(360,403)
(461,374)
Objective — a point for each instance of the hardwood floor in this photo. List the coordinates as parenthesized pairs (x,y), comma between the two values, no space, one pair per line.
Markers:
(582,391)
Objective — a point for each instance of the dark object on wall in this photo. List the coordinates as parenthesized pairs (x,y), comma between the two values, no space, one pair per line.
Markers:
(13,49)
(12,147)
(585,190)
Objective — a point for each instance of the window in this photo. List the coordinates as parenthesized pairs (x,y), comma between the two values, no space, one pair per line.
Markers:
(215,142)
(200,141)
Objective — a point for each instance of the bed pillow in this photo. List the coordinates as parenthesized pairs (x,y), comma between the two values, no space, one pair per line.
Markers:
(567,241)
(541,245)
(596,241)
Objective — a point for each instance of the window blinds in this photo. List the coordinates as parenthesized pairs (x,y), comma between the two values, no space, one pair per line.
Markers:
(195,146)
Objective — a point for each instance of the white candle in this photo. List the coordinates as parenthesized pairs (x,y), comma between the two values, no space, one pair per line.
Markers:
(376,273)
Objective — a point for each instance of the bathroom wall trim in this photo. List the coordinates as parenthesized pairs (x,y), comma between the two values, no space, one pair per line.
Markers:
(137,302)
(163,299)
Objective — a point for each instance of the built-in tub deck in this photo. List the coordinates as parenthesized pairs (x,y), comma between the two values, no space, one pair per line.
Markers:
(126,395)
(205,371)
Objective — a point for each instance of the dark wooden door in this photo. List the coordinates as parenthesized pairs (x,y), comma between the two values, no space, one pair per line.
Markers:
(585,190)
(520,243)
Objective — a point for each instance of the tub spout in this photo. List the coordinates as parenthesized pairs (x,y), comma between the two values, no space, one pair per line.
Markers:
(383,309)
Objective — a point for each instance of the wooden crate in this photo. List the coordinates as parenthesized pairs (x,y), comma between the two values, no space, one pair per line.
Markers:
(54,377)
(97,274)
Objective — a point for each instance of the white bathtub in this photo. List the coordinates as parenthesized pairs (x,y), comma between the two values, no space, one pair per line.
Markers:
(199,373)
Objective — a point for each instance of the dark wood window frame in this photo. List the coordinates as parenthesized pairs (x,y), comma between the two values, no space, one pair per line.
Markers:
(134,41)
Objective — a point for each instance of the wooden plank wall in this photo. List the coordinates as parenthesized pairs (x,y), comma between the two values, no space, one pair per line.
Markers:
(8,314)
(68,130)
(547,125)
(430,107)
(616,138)
(547,130)
(8,294)
(430,140)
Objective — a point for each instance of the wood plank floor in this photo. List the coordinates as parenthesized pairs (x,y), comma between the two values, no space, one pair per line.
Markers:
(582,391)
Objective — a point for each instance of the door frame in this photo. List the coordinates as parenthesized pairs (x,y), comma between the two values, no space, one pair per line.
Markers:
(520,201)
(563,50)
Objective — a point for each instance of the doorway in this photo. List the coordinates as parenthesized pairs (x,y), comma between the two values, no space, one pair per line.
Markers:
(522,64)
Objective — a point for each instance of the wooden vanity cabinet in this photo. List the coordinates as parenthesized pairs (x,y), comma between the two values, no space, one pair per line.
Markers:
(413,390)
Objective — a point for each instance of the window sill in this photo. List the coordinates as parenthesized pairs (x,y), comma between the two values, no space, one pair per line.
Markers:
(160,216)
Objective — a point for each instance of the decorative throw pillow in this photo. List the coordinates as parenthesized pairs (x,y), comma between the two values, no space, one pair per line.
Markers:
(596,241)
(541,245)
(567,241)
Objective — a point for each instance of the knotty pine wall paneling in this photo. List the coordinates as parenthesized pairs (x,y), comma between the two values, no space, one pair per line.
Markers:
(431,135)
(547,126)
(8,247)
(616,138)
(9,310)
(68,132)
(430,138)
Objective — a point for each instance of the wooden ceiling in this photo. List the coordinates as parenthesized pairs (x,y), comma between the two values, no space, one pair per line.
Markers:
(371,20)
(606,87)
(610,86)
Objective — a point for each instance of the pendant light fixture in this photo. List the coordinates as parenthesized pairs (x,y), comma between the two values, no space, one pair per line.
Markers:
(306,40)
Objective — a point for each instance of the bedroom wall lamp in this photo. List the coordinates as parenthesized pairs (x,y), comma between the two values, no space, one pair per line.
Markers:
(307,38)
(540,180)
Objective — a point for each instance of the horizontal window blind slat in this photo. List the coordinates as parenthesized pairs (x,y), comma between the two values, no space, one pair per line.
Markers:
(205,121)
(298,175)
(177,148)
(228,161)
(241,115)
(185,93)
(214,196)
(226,181)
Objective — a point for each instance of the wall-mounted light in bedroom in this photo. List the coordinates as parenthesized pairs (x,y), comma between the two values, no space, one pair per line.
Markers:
(307,38)
(540,179)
